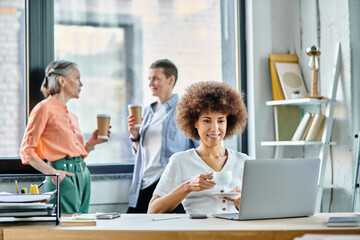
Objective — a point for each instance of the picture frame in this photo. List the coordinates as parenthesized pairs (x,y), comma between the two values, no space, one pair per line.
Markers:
(277,91)
(291,80)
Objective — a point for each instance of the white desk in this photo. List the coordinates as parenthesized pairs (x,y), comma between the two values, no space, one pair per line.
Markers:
(141,226)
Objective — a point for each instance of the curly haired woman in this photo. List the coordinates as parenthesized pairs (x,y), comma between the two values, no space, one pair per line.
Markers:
(210,111)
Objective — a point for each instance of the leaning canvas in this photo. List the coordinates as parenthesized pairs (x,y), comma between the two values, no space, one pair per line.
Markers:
(291,79)
(277,92)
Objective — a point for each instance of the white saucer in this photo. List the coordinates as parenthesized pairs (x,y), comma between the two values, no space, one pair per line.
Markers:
(226,194)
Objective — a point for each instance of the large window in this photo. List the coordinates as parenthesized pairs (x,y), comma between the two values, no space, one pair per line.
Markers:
(114,42)
(12,83)
(100,54)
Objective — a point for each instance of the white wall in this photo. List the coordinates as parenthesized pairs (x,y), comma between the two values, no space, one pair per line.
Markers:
(110,193)
(272,27)
(258,46)
(281,26)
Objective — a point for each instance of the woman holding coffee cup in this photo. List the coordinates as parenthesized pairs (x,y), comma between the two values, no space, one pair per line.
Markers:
(210,111)
(53,134)
(157,138)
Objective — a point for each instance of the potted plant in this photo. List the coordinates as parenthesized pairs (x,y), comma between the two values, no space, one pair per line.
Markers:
(295,94)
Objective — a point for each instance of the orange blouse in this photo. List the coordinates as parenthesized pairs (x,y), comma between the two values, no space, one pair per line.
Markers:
(52,133)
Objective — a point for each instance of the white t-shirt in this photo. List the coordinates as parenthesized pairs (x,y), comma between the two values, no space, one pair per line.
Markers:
(183,166)
(152,167)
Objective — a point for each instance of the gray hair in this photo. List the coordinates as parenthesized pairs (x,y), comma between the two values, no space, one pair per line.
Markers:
(50,85)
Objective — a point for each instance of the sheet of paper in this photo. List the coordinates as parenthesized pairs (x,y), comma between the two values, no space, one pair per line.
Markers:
(26,198)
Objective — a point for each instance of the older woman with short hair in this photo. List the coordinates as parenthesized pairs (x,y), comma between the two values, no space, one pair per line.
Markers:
(53,133)
(210,111)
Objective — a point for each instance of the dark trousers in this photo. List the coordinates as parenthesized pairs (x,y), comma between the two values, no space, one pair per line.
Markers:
(145,196)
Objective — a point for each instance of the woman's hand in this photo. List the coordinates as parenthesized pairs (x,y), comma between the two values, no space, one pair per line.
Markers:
(131,127)
(200,182)
(236,199)
(62,175)
(167,203)
(94,140)
(41,166)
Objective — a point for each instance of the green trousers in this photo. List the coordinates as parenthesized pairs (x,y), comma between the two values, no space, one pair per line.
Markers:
(75,190)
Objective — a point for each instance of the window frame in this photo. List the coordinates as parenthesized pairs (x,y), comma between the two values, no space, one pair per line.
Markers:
(39,34)
(132,31)
(241,58)
(38,52)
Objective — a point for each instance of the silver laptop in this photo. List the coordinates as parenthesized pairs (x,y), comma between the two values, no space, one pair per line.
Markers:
(277,188)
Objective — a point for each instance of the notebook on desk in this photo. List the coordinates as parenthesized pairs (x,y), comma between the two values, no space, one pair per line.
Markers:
(277,188)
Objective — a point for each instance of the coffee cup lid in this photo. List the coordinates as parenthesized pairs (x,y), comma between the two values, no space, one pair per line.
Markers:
(134,105)
(104,115)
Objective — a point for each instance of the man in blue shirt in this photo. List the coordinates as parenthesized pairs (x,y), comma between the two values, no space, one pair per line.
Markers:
(158,137)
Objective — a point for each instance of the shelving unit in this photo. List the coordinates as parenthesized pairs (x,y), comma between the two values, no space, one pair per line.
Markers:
(356,185)
(325,143)
(17,207)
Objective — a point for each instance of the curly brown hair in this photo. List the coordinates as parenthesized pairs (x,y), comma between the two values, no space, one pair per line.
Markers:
(206,97)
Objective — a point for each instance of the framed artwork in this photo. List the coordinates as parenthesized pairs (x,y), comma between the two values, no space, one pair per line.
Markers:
(291,79)
(277,90)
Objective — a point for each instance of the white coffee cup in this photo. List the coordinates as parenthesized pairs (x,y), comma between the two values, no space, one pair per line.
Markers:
(222,178)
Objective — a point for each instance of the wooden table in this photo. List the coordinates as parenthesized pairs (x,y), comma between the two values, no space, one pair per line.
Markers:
(142,226)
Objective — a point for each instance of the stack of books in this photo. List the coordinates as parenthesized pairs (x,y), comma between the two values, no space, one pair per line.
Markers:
(310,128)
(81,219)
(78,219)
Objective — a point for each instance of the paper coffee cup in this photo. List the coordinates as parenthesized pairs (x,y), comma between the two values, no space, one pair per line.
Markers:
(103,122)
(135,111)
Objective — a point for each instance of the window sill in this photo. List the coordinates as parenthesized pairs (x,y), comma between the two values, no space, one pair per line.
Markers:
(14,166)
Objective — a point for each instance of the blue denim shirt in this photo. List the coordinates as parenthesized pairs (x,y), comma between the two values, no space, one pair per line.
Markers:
(173,140)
